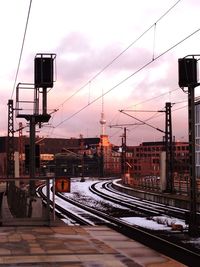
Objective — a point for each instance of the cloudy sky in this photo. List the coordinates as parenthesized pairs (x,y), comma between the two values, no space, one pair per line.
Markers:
(125,49)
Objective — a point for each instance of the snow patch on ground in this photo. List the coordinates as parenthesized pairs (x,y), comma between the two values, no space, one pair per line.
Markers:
(155,223)
(80,191)
(145,223)
(193,241)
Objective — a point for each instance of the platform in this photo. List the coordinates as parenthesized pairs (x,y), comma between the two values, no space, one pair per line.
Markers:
(75,246)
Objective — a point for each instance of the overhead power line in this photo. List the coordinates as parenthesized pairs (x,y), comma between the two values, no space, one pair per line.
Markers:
(128,77)
(141,121)
(121,53)
(150,99)
(156,115)
(153,98)
(22,47)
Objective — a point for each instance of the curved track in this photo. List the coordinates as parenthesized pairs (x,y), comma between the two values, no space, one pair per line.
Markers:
(63,213)
(150,238)
(148,208)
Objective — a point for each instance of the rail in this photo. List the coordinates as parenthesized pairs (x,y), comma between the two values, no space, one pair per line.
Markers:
(19,203)
(161,242)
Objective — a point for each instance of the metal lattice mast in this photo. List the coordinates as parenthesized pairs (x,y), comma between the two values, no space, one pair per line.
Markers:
(20,147)
(169,148)
(10,141)
(123,159)
(193,223)
(188,77)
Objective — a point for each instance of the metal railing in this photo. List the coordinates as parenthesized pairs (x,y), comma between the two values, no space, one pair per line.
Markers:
(20,205)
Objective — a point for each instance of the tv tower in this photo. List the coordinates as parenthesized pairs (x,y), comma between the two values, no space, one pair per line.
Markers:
(102,120)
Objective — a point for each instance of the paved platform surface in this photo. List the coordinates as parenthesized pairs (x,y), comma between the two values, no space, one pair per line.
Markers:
(75,246)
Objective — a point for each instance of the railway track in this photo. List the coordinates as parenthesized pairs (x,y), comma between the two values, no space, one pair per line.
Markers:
(71,212)
(145,207)
(61,212)
(158,241)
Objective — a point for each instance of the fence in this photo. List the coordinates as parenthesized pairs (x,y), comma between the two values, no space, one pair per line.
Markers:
(181,185)
(21,205)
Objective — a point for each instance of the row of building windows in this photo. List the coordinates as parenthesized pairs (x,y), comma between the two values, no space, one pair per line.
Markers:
(147,155)
(197,114)
(182,154)
(178,148)
(148,149)
(152,149)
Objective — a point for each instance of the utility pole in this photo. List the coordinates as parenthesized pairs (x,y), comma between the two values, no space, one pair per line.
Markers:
(32,155)
(20,147)
(123,146)
(10,153)
(102,136)
(168,142)
(82,159)
(101,158)
(188,78)
(10,140)
(193,225)
(169,148)
(123,159)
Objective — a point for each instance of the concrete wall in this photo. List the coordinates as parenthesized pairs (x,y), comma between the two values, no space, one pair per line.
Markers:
(179,201)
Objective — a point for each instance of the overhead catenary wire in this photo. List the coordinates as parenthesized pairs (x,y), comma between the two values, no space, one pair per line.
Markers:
(154,116)
(128,77)
(122,52)
(148,100)
(22,48)
(152,98)
(156,128)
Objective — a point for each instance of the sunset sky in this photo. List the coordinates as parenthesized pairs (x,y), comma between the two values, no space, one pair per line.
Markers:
(102,47)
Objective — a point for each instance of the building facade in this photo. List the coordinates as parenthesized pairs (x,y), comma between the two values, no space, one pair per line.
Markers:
(99,157)
(94,153)
(197,138)
(145,159)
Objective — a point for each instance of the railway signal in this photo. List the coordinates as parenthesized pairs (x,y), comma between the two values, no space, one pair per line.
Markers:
(188,77)
(62,185)
(30,108)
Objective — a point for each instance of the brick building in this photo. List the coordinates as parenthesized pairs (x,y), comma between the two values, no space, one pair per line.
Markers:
(101,158)
(145,158)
